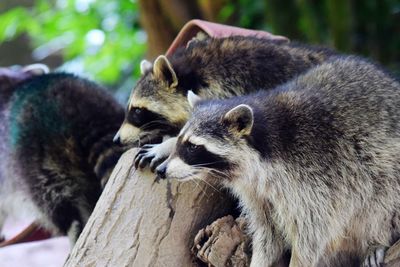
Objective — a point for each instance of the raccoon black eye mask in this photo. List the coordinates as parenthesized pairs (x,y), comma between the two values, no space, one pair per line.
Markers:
(145,119)
(198,155)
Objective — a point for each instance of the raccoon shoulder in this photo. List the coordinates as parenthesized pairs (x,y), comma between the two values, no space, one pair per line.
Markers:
(327,102)
(243,62)
(67,89)
(51,103)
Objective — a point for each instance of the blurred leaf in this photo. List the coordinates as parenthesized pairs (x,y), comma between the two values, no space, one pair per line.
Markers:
(13,23)
(64,26)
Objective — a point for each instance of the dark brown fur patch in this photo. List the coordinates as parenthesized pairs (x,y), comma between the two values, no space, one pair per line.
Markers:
(58,139)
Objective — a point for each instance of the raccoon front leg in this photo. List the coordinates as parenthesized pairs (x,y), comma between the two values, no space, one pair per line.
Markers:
(268,249)
(306,252)
(68,218)
(68,208)
(74,231)
(154,154)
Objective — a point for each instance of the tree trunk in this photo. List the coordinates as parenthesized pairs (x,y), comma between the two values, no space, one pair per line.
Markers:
(139,222)
(162,20)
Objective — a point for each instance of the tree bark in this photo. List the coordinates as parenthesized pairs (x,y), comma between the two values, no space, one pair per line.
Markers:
(139,222)
(223,243)
(162,21)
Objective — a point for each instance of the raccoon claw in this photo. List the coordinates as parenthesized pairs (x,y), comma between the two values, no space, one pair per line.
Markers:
(375,258)
(155,162)
(144,157)
(142,160)
(153,155)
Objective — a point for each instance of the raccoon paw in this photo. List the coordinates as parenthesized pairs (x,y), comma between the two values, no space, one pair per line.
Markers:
(143,157)
(154,154)
(375,257)
(149,155)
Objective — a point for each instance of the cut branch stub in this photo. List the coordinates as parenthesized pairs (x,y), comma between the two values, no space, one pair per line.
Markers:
(223,243)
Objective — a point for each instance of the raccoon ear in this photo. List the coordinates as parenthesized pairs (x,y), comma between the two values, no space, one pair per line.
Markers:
(145,66)
(192,98)
(163,70)
(240,119)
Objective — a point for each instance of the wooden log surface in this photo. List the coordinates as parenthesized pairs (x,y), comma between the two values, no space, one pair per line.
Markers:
(139,222)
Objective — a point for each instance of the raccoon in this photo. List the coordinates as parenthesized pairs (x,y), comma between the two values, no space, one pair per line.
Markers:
(315,163)
(56,148)
(212,68)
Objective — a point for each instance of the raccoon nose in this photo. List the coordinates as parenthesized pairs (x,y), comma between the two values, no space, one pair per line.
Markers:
(117,139)
(161,170)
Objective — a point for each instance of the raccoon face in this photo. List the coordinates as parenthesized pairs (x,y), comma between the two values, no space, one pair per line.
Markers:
(211,144)
(155,108)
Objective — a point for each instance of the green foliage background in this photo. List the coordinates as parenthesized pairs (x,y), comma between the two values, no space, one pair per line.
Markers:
(367,27)
(65,26)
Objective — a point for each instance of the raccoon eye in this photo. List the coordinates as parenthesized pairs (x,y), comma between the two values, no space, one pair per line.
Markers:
(192,148)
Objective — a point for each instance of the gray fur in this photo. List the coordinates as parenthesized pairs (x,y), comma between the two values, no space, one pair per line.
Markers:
(318,174)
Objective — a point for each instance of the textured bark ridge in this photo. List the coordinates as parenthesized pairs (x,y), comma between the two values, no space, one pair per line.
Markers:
(139,222)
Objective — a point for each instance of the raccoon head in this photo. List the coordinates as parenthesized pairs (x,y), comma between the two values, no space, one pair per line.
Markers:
(212,144)
(155,107)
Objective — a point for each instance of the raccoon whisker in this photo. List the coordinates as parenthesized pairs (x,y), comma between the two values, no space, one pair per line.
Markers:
(210,185)
(213,187)
(156,122)
(207,163)
(198,185)
(215,171)
(159,122)
(195,177)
